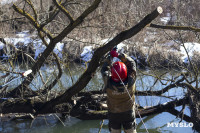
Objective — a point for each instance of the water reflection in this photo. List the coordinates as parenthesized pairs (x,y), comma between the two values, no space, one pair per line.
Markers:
(49,124)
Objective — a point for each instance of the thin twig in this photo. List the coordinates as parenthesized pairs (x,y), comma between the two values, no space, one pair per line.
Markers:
(60,120)
(101,126)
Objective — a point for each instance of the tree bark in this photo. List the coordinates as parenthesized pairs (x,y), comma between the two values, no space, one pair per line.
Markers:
(103,114)
(29,105)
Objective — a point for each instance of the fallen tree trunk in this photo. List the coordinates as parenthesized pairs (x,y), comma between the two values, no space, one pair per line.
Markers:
(85,114)
(85,108)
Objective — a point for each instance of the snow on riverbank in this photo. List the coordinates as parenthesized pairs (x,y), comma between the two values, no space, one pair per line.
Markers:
(190,47)
(24,39)
(87,53)
(40,47)
(120,47)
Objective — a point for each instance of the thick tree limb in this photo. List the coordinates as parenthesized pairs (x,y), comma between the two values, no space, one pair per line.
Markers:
(29,106)
(190,87)
(89,114)
(176,113)
(172,27)
(3,40)
(58,65)
(94,63)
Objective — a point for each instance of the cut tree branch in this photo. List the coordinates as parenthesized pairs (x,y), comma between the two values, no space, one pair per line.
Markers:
(94,63)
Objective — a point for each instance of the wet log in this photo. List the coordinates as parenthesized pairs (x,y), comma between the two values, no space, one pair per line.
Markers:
(19,105)
(85,114)
(85,108)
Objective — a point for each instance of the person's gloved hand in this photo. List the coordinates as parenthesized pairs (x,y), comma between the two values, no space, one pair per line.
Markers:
(114,53)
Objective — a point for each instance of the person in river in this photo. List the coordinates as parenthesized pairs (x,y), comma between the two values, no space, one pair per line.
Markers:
(120,89)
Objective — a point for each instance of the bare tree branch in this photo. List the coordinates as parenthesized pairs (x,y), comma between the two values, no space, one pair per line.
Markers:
(32,20)
(33,8)
(172,27)
(64,10)
(159,92)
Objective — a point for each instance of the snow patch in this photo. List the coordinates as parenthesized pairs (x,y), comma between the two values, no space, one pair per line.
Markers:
(15,41)
(87,53)
(1,45)
(40,47)
(58,49)
(23,34)
(165,20)
(25,40)
(3,2)
(170,43)
(145,39)
(190,47)
(120,46)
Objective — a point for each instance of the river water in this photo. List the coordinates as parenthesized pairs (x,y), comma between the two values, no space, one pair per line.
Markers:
(51,124)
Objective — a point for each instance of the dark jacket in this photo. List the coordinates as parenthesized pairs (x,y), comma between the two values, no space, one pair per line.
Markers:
(118,100)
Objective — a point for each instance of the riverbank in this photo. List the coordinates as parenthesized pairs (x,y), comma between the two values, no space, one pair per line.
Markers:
(162,54)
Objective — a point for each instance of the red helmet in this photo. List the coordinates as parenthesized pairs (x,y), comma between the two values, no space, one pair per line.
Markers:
(119,70)
(113,52)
